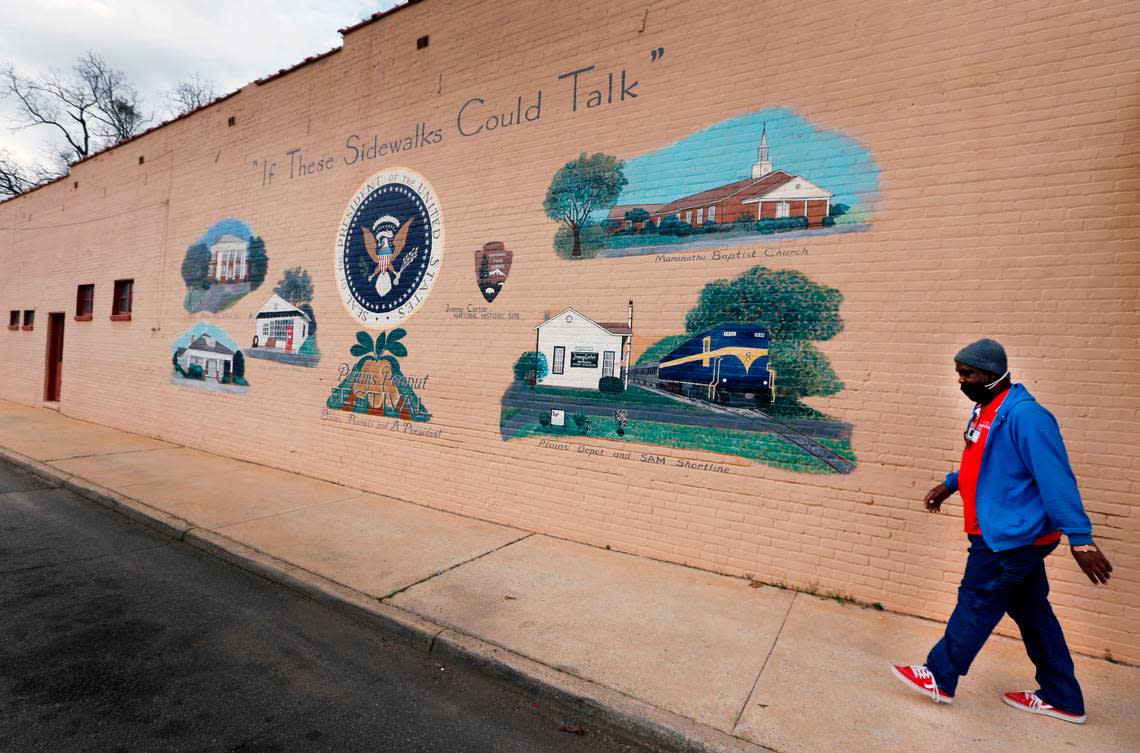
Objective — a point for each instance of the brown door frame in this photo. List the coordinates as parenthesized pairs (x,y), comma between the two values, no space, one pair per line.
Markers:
(53,366)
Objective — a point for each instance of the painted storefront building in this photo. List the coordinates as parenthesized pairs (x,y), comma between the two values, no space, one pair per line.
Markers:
(806,241)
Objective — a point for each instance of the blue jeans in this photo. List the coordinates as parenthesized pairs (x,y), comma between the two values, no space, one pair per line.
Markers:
(995,583)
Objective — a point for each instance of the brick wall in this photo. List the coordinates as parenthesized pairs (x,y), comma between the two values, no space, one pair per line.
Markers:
(1008,147)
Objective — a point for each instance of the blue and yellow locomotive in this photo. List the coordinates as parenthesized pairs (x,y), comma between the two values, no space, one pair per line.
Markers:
(728,364)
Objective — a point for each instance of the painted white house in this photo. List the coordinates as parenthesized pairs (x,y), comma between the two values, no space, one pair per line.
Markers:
(229,259)
(215,359)
(580,351)
(279,325)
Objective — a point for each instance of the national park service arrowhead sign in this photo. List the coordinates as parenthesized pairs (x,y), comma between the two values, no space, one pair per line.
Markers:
(492,265)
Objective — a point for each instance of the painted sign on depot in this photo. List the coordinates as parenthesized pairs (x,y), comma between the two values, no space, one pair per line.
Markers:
(389,247)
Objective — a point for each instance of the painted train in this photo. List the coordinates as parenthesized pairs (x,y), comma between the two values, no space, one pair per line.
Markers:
(727,364)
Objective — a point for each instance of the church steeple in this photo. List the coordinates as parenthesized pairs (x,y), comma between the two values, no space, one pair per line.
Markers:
(763,165)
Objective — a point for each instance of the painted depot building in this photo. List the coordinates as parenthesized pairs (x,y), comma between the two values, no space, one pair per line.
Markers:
(579,352)
(410,129)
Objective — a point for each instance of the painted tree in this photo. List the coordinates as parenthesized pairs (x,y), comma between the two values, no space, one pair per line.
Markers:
(196,266)
(785,301)
(295,286)
(794,309)
(582,187)
(308,310)
(637,216)
(257,261)
(239,365)
(531,365)
(801,370)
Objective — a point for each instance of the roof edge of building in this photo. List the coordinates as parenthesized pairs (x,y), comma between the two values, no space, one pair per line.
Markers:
(293,68)
(376,17)
(256,82)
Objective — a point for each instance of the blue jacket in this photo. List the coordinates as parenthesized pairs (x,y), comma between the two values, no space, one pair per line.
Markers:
(1026,488)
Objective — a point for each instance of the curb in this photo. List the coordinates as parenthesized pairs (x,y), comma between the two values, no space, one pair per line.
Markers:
(648,724)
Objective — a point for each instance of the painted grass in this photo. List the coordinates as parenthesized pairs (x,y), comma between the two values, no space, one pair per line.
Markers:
(768,449)
(633,395)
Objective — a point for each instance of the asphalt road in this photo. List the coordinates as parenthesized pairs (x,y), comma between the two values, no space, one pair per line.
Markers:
(114,639)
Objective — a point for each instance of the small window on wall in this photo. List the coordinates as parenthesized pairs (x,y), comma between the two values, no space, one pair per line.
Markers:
(84,303)
(559,360)
(14,319)
(29,319)
(121,304)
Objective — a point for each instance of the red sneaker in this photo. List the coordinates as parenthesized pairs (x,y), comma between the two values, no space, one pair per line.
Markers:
(1027,700)
(918,678)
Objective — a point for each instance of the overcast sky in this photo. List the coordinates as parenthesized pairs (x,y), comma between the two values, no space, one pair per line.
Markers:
(158,43)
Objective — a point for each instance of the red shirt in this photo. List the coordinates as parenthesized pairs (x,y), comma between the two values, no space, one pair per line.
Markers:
(980,423)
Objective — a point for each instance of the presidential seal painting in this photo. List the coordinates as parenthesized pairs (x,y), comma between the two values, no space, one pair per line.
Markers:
(389,247)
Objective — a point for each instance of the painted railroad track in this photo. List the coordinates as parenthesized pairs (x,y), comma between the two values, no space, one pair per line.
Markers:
(807,444)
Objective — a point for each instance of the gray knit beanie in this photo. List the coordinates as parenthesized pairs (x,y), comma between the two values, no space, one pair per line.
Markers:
(985,354)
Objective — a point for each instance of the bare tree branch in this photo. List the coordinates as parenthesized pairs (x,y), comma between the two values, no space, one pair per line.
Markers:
(52,102)
(191,94)
(117,110)
(15,179)
(92,107)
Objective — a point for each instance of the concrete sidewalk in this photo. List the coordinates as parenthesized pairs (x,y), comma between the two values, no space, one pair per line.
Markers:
(682,657)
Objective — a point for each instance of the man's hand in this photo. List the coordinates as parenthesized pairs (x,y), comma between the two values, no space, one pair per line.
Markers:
(1094,564)
(935,497)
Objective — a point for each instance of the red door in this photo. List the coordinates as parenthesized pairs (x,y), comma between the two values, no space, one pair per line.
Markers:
(289,338)
(54,376)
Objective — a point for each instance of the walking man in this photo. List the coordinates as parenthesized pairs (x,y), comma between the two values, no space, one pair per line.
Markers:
(1018,496)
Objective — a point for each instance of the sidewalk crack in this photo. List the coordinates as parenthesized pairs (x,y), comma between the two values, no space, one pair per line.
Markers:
(756,684)
(452,567)
(105,454)
(292,511)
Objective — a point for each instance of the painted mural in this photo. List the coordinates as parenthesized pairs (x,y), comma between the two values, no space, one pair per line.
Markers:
(492,267)
(766,173)
(285,328)
(376,385)
(389,247)
(733,382)
(206,358)
(222,266)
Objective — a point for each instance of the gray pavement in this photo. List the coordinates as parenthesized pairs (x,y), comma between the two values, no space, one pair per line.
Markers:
(115,638)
